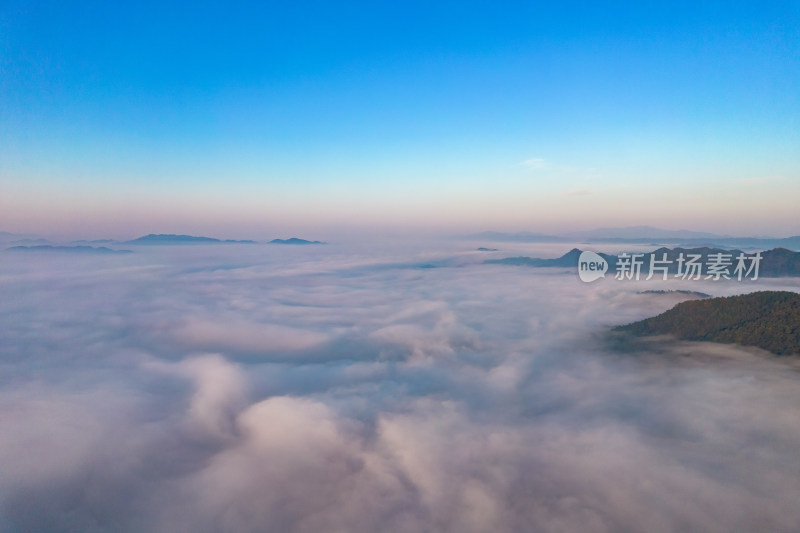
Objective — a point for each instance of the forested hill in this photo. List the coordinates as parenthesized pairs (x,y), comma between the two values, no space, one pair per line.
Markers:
(767,319)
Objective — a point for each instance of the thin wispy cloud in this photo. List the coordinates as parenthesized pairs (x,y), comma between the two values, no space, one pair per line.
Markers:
(534,163)
(551,168)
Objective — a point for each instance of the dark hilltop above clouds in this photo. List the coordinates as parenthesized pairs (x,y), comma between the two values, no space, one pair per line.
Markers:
(569,259)
(767,319)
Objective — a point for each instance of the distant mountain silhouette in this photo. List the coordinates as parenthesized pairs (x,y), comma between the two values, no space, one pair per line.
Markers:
(28,242)
(522,236)
(294,240)
(68,249)
(640,232)
(181,239)
(778,262)
(717,242)
(8,237)
(569,259)
(644,235)
(96,241)
(766,319)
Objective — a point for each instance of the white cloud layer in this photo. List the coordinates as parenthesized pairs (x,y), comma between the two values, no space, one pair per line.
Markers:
(350,390)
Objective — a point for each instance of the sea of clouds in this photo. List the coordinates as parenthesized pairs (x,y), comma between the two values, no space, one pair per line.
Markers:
(375,388)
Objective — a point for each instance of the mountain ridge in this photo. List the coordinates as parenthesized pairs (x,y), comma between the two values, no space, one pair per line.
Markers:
(67,249)
(294,241)
(766,319)
(778,262)
(171,238)
(643,235)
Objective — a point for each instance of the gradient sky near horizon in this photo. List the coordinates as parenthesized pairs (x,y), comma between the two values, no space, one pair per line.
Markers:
(249,119)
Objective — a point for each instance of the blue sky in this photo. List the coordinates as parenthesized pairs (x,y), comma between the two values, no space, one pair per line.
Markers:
(130,117)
